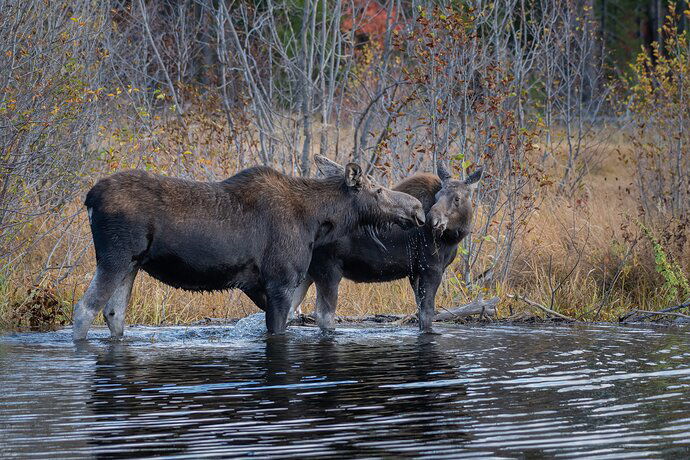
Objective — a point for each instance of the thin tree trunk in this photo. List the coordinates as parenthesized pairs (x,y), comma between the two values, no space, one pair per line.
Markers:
(171,87)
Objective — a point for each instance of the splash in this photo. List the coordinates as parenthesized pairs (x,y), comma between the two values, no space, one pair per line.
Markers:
(251,326)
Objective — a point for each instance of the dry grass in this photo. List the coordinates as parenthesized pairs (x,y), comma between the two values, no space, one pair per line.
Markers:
(577,258)
(585,256)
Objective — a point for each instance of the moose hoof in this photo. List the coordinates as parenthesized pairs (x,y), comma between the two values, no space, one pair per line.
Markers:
(429,331)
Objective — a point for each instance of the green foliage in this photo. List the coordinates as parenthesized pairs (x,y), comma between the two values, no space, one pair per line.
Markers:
(659,103)
(675,281)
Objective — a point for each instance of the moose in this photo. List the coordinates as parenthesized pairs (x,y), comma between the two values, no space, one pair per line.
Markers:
(391,253)
(254,231)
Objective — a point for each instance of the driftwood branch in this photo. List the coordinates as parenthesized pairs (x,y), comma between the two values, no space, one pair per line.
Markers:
(648,314)
(541,307)
(664,313)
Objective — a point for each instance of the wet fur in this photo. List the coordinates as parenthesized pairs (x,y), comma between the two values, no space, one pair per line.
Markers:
(254,231)
(390,254)
(188,245)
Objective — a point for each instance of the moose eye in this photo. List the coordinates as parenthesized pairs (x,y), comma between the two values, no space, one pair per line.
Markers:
(379,191)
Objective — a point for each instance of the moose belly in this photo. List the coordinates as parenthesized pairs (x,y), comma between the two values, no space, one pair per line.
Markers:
(200,266)
(371,271)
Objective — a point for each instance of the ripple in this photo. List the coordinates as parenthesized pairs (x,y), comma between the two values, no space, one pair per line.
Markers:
(499,391)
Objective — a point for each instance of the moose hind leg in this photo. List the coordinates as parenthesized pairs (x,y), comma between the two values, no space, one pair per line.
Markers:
(114,312)
(99,292)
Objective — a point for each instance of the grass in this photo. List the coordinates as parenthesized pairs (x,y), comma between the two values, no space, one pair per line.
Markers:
(583,257)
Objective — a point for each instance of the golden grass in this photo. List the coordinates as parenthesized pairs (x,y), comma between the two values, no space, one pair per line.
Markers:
(574,258)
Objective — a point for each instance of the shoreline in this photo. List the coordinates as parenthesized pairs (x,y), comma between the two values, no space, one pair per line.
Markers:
(386,320)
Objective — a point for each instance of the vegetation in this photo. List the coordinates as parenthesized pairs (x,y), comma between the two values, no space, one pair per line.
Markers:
(584,207)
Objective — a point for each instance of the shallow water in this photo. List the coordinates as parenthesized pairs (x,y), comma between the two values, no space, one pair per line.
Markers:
(501,391)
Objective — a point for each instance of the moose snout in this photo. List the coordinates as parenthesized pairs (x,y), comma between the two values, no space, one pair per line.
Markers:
(419,217)
(438,223)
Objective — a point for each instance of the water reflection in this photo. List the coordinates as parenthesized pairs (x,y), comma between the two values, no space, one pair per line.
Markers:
(492,391)
(292,397)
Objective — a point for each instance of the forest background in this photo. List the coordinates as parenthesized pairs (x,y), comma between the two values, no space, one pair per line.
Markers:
(577,109)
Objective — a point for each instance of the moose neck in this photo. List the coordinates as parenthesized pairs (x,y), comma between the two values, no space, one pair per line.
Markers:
(325,206)
(333,209)
(422,186)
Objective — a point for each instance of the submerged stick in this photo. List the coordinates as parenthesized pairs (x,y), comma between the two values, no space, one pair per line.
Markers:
(654,313)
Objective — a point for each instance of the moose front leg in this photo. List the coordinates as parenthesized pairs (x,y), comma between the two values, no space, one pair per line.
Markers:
(298,297)
(326,303)
(279,300)
(425,288)
(258,296)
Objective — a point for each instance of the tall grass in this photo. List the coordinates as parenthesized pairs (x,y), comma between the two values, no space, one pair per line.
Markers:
(582,256)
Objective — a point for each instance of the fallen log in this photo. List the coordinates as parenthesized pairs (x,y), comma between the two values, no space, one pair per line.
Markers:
(479,306)
(380,318)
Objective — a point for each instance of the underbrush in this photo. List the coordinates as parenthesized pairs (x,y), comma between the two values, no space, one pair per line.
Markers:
(585,256)
(579,217)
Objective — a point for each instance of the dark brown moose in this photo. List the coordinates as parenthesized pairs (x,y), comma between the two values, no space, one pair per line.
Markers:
(254,231)
(391,253)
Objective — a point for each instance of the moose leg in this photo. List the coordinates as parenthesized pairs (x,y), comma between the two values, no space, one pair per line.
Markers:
(326,302)
(258,296)
(99,292)
(298,297)
(414,282)
(114,312)
(425,293)
(278,308)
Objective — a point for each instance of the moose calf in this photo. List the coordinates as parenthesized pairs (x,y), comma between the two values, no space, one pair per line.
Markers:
(420,254)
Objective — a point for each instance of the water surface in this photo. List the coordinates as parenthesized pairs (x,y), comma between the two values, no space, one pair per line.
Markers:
(476,391)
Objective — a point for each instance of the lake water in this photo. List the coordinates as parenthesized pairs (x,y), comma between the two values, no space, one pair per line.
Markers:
(473,391)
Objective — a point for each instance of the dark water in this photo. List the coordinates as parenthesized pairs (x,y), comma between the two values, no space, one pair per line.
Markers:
(500,391)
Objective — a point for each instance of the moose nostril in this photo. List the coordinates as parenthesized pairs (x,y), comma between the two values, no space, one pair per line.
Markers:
(421,218)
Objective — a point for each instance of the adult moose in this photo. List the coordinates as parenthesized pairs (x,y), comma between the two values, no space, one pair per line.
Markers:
(420,254)
(254,231)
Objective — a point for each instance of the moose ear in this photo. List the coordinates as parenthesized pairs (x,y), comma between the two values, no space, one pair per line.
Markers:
(353,175)
(327,167)
(442,171)
(473,180)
